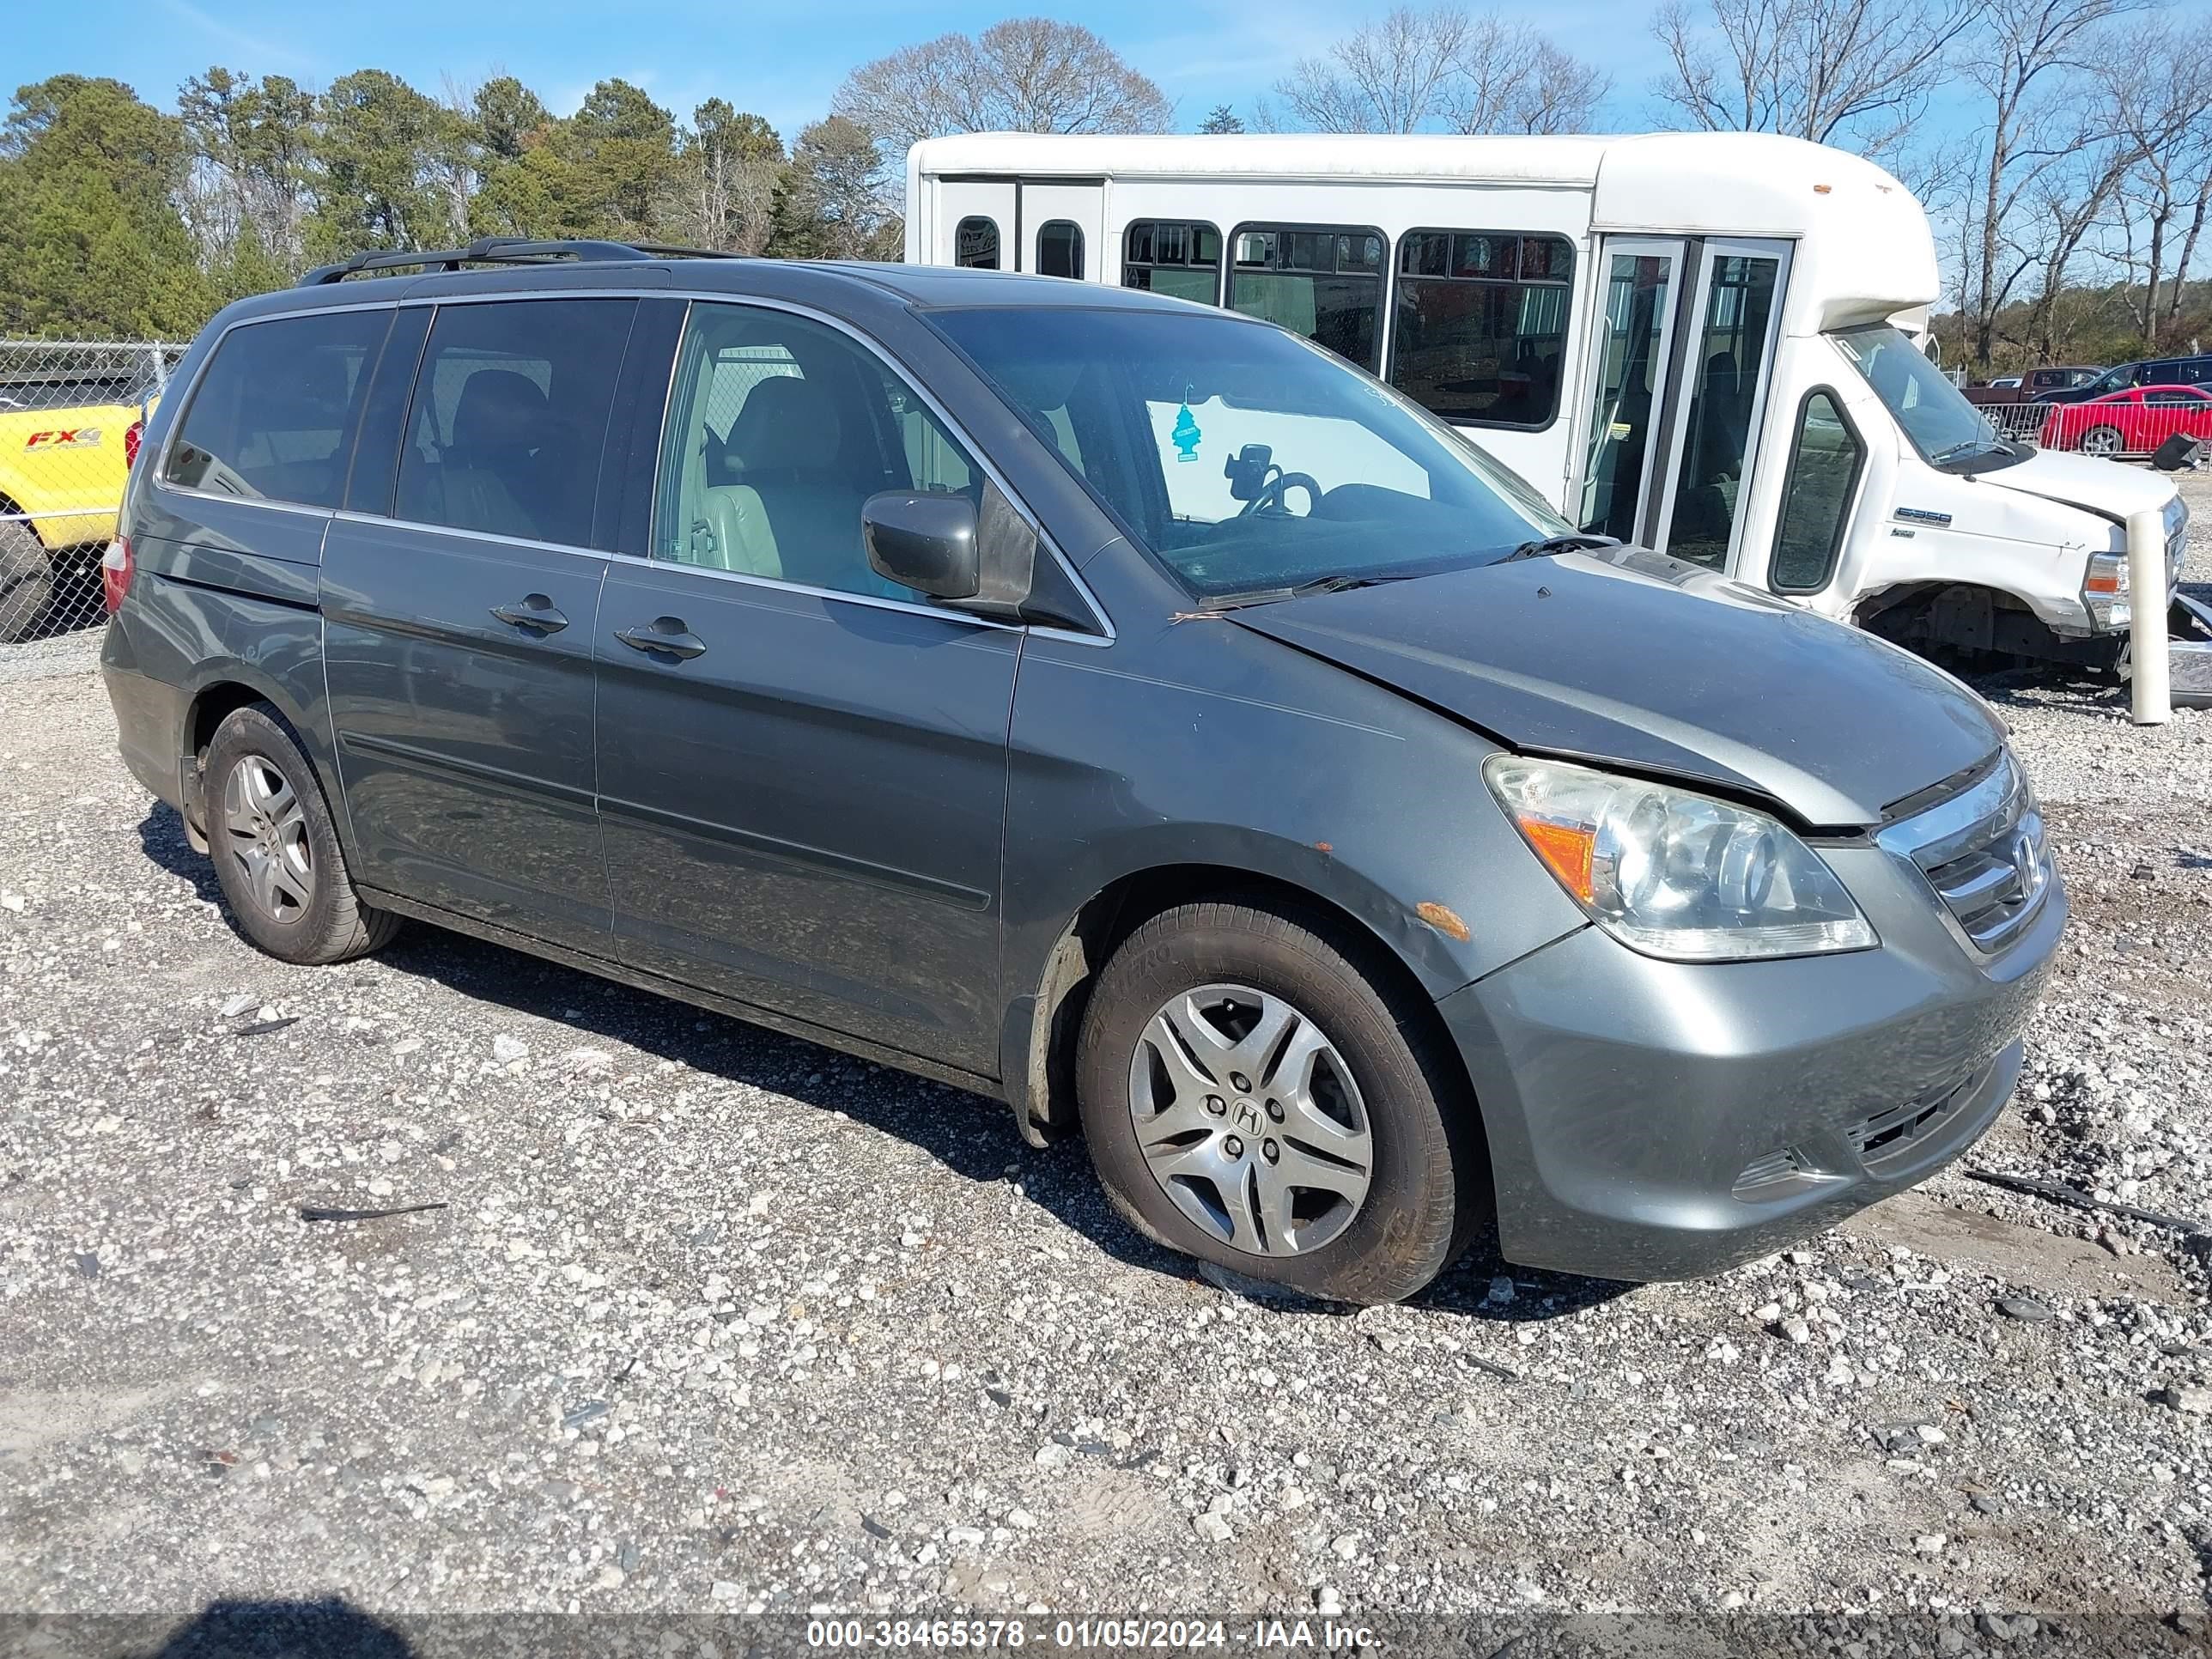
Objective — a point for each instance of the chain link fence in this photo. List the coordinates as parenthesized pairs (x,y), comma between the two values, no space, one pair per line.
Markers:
(70,413)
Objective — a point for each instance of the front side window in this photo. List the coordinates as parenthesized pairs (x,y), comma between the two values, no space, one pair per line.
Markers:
(975,243)
(1175,257)
(273,416)
(510,416)
(1060,249)
(1825,460)
(779,429)
(1324,281)
(1479,329)
(1948,431)
(1246,461)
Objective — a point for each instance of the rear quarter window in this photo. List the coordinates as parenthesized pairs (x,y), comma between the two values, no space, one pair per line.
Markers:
(273,416)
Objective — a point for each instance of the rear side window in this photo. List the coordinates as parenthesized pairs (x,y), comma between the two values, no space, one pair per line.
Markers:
(1480,329)
(975,243)
(273,417)
(1324,281)
(510,418)
(1175,257)
(1060,249)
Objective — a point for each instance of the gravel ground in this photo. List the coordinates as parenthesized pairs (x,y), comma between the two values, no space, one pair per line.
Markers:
(713,1321)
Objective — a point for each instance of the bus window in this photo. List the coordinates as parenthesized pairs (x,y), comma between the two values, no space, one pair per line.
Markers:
(1324,281)
(1060,249)
(1479,332)
(975,243)
(1178,259)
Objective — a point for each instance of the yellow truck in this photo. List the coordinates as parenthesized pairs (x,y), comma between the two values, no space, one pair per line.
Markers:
(61,468)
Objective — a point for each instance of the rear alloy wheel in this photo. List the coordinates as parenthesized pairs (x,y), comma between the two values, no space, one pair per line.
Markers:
(1257,1091)
(2103,440)
(27,583)
(275,852)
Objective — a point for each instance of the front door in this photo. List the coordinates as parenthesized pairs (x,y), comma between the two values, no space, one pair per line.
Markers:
(977,224)
(1679,386)
(1063,229)
(802,767)
(459,611)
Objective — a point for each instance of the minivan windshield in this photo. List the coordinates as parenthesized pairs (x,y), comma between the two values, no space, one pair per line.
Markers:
(1949,432)
(1250,462)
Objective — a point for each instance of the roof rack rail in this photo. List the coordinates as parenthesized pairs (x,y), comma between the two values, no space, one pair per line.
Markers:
(505,251)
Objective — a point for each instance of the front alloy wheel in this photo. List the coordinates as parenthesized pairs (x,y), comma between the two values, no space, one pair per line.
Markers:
(1261,1087)
(1250,1120)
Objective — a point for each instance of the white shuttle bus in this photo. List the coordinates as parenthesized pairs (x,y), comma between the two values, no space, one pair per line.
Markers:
(1708,343)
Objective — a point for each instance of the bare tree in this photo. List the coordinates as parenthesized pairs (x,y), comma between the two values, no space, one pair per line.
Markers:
(1560,93)
(1025,75)
(1397,75)
(730,163)
(2154,77)
(1444,69)
(1853,72)
(830,203)
(2023,55)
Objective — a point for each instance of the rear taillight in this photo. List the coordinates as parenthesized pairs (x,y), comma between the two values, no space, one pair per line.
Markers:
(133,435)
(116,569)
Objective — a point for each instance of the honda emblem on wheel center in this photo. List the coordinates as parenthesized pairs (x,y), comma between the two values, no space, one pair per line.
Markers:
(1247,1117)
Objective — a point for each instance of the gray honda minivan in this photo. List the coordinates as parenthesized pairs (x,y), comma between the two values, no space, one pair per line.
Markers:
(1116,706)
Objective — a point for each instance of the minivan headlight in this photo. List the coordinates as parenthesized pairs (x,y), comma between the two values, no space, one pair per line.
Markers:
(1673,874)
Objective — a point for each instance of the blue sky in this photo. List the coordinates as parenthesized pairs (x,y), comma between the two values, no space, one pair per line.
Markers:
(783,59)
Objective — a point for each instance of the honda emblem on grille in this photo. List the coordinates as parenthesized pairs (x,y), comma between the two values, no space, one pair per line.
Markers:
(2027,864)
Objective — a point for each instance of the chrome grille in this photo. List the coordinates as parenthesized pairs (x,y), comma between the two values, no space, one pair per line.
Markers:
(1982,851)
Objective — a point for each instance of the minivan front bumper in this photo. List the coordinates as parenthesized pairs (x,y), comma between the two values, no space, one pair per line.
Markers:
(1653,1120)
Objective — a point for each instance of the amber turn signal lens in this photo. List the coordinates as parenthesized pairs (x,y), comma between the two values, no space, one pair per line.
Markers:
(1566,848)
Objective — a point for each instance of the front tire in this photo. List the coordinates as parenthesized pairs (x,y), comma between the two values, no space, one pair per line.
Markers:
(275,852)
(2103,441)
(1252,1097)
(27,583)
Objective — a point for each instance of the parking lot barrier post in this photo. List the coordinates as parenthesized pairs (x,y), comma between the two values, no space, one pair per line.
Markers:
(2147,595)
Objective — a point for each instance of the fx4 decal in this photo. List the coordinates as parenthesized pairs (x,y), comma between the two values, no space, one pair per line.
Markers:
(82,437)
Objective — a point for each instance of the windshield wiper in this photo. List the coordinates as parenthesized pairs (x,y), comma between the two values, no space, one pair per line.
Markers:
(1342,584)
(1336,584)
(1969,446)
(1575,541)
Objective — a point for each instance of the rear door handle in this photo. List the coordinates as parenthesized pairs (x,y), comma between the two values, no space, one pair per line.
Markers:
(536,612)
(666,634)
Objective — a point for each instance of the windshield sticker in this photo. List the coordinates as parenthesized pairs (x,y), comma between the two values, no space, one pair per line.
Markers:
(1185,435)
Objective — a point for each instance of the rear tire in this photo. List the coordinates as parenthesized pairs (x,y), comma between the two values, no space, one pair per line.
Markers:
(27,583)
(276,851)
(1281,1062)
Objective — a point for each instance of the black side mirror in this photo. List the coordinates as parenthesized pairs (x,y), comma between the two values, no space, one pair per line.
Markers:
(941,545)
(925,542)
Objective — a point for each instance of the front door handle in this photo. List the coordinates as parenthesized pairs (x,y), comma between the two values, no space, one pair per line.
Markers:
(536,612)
(666,634)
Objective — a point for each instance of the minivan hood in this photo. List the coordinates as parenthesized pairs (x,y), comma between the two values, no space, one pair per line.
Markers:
(1626,657)
(2095,485)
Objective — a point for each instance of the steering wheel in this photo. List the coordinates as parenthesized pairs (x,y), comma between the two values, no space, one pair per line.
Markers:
(1270,498)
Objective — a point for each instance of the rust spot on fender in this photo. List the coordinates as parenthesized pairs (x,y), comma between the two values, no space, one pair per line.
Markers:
(1443,918)
(1323,847)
